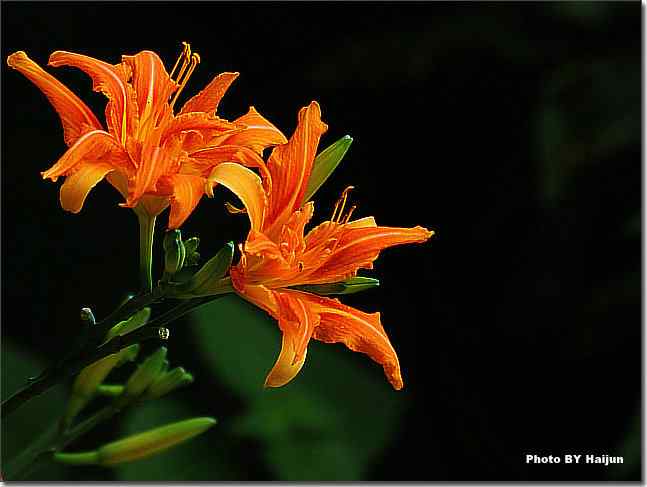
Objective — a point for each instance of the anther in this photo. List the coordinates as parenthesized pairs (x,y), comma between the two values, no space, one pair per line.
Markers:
(350,213)
(342,199)
(234,210)
(195,60)
(184,57)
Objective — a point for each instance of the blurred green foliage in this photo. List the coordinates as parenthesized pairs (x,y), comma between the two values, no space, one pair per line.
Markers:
(30,421)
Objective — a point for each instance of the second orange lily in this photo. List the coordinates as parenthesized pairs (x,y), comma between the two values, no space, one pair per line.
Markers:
(278,256)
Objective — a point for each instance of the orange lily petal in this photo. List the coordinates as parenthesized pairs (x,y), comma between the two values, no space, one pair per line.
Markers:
(209,98)
(258,133)
(121,113)
(152,205)
(285,368)
(152,84)
(93,145)
(210,157)
(359,331)
(356,248)
(291,164)
(75,115)
(201,122)
(187,192)
(296,319)
(244,184)
(155,162)
(80,181)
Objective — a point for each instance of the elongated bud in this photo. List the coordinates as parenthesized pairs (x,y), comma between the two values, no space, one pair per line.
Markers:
(174,252)
(136,321)
(139,446)
(349,286)
(325,163)
(208,280)
(89,379)
(110,390)
(86,384)
(128,354)
(168,382)
(143,377)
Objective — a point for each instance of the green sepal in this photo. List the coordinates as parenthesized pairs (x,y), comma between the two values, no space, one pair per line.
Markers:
(349,286)
(208,280)
(136,321)
(325,163)
(174,252)
(192,256)
(139,446)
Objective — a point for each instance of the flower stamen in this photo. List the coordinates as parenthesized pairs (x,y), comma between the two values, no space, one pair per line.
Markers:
(195,60)
(340,205)
(184,57)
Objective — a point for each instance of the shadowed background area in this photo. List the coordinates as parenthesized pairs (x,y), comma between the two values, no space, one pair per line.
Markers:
(512,130)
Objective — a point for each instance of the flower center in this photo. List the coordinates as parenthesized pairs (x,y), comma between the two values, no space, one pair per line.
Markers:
(187,63)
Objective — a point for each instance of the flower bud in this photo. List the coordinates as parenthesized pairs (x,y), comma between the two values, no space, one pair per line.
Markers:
(174,252)
(146,373)
(325,163)
(208,280)
(90,378)
(110,390)
(128,354)
(349,286)
(86,384)
(167,382)
(139,446)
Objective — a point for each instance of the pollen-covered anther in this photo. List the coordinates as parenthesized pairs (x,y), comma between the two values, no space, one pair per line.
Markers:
(189,62)
(233,209)
(338,212)
(184,57)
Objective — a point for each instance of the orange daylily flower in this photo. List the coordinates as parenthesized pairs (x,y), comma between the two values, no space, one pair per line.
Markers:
(277,255)
(151,154)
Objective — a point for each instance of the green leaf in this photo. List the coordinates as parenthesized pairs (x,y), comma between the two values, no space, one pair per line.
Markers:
(324,425)
(325,163)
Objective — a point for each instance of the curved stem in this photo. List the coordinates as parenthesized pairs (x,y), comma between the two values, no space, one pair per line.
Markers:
(146,236)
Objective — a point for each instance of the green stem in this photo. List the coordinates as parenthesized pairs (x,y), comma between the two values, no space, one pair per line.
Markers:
(146,236)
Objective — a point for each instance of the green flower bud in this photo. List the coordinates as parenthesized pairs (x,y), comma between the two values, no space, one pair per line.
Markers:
(144,376)
(349,286)
(110,390)
(167,382)
(128,354)
(174,252)
(139,446)
(136,321)
(208,280)
(325,163)
(86,384)
(90,378)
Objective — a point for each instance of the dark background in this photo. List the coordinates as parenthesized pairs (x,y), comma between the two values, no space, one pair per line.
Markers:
(512,130)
